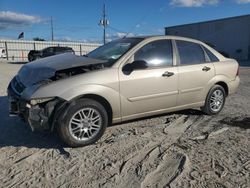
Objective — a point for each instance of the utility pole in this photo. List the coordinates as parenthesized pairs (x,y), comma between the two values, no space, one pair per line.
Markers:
(104,23)
(52,30)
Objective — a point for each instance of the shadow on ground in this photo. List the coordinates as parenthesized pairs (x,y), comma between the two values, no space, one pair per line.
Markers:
(182,112)
(16,133)
(242,122)
(18,62)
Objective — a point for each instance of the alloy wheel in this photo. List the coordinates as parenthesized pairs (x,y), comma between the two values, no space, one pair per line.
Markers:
(216,100)
(85,124)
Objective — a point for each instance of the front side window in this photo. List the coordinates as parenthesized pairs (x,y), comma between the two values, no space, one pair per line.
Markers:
(190,53)
(157,53)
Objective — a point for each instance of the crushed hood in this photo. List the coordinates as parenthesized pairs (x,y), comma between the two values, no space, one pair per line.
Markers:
(46,68)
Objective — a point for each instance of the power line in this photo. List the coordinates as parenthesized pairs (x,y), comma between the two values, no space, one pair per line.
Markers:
(115,29)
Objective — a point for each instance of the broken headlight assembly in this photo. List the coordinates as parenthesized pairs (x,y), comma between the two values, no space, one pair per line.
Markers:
(40,100)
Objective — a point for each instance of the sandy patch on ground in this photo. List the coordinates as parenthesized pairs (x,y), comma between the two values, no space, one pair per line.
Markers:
(183,149)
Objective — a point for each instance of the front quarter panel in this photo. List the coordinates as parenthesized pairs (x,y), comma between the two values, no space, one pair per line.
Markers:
(103,83)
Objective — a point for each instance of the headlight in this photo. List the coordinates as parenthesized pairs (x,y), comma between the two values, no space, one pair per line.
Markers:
(41,100)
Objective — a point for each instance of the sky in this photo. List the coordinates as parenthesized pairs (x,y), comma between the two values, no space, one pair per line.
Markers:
(77,20)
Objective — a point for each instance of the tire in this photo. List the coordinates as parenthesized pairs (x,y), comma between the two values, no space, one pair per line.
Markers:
(215,100)
(30,58)
(75,133)
(32,55)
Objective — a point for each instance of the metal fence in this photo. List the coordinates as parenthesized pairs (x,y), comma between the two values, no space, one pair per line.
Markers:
(17,50)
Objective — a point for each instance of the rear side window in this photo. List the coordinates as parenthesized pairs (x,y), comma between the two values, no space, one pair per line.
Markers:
(59,49)
(157,53)
(49,50)
(68,49)
(190,53)
(211,56)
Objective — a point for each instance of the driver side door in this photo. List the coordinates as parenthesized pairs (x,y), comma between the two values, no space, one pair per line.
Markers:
(151,90)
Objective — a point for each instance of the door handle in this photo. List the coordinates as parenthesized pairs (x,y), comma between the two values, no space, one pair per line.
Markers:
(167,74)
(206,69)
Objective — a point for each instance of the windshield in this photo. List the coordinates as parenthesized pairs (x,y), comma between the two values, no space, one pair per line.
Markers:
(112,51)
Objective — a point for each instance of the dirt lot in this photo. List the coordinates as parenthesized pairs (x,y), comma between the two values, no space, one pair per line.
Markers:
(184,149)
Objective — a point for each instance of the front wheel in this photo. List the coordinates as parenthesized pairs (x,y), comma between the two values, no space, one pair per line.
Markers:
(215,100)
(84,123)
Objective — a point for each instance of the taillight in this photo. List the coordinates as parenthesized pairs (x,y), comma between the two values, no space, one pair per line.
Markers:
(238,71)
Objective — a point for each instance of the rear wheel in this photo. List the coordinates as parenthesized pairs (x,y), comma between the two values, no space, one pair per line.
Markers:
(215,100)
(84,123)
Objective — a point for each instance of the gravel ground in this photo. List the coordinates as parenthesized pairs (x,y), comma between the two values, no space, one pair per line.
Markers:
(183,149)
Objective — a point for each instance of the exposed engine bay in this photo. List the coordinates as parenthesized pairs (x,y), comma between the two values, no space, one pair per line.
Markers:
(58,67)
(61,74)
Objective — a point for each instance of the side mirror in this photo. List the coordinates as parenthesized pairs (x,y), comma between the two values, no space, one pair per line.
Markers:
(136,65)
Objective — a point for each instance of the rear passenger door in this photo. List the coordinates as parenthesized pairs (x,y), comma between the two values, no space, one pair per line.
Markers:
(195,71)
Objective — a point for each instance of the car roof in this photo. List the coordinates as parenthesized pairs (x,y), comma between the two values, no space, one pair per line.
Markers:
(58,47)
(161,37)
(155,37)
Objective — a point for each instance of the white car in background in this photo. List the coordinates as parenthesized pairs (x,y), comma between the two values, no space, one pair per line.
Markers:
(2,53)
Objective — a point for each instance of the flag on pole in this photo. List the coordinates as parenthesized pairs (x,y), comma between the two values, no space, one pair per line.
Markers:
(21,35)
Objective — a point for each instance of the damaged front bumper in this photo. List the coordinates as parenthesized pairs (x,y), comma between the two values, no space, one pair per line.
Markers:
(40,114)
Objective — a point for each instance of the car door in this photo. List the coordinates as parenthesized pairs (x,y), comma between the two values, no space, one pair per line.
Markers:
(195,71)
(151,90)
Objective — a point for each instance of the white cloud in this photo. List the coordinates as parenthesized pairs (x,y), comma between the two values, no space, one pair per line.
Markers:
(118,35)
(193,3)
(10,19)
(243,1)
(64,38)
(161,31)
(138,25)
(121,35)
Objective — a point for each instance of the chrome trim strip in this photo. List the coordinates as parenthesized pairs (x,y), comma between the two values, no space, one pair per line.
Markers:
(133,99)
(191,90)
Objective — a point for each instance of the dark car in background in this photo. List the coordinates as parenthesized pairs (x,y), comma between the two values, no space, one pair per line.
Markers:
(50,51)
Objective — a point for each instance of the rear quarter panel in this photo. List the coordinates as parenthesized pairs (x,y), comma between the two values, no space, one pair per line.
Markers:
(225,71)
(227,68)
